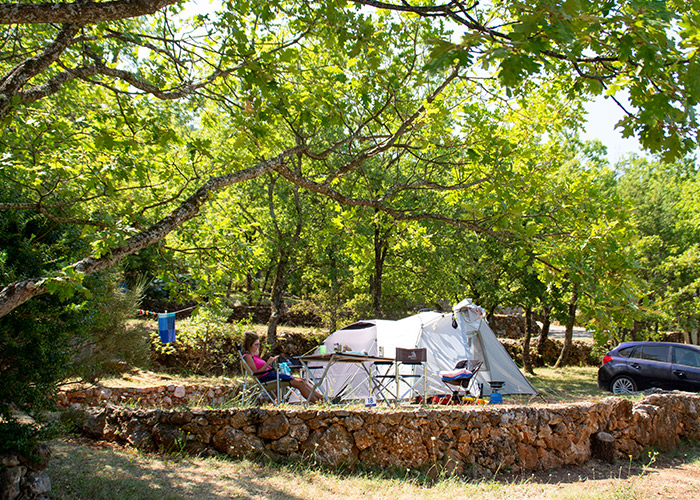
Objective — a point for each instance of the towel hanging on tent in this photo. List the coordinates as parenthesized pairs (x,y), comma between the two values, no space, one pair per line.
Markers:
(166,326)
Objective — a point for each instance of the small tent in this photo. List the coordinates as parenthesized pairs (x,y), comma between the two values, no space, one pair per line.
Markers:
(448,337)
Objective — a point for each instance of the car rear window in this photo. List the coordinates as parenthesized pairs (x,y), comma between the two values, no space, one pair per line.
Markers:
(626,352)
(655,352)
(686,357)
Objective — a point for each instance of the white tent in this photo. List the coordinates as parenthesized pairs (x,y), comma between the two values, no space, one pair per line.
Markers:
(448,337)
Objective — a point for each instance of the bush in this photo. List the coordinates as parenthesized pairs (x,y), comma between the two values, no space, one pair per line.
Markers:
(47,340)
(111,342)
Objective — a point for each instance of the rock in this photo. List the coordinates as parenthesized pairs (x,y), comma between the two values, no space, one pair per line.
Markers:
(300,432)
(94,423)
(399,448)
(353,423)
(335,446)
(285,446)
(179,391)
(236,443)
(169,437)
(10,478)
(603,446)
(38,459)
(453,464)
(180,417)
(274,427)
(36,483)
(9,461)
(139,436)
(363,439)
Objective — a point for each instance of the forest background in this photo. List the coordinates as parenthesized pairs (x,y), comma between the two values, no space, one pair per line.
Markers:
(346,159)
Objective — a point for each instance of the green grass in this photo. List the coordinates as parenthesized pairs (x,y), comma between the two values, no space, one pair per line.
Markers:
(571,383)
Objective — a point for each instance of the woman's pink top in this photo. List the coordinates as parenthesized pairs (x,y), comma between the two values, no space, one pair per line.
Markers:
(259,363)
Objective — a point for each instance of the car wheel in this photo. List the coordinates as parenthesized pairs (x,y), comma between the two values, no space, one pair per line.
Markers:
(623,385)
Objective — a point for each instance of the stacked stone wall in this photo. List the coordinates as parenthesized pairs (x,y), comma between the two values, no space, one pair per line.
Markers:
(25,479)
(165,396)
(468,440)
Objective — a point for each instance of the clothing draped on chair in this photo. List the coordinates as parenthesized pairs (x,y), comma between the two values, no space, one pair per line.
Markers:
(463,377)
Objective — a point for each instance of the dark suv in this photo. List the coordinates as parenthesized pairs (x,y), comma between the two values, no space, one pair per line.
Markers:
(634,366)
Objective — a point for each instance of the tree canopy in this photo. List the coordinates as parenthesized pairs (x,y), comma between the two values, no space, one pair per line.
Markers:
(130,118)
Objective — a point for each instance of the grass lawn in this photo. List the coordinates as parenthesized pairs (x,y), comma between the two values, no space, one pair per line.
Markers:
(571,383)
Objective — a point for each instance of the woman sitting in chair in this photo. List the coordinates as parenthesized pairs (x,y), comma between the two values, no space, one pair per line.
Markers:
(262,370)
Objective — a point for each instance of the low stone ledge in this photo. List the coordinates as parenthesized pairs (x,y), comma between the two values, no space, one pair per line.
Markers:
(165,396)
(456,440)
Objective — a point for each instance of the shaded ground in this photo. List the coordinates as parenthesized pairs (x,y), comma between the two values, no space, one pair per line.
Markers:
(88,470)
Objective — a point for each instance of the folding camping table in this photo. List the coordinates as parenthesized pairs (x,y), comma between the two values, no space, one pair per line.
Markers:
(342,357)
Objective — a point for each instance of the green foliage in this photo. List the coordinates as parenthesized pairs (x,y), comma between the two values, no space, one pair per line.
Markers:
(664,204)
(480,189)
(54,337)
(34,338)
(112,342)
(34,353)
(25,439)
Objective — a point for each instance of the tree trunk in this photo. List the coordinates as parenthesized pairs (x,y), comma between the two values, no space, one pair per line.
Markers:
(569,334)
(381,245)
(635,329)
(287,244)
(277,298)
(489,315)
(527,362)
(544,333)
(335,290)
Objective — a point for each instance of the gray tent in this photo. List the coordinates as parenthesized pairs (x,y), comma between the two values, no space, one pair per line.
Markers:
(448,337)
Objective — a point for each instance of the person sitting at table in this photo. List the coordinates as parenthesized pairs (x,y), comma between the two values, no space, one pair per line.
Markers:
(261,369)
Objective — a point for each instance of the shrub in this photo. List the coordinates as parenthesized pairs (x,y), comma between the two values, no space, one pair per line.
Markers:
(111,342)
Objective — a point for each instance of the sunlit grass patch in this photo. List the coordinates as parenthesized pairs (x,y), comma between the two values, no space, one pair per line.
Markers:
(570,383)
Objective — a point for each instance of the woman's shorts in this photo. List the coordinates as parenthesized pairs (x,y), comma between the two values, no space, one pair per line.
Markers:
(272,375)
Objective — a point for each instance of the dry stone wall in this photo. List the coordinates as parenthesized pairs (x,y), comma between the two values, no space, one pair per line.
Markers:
(455,440)
(25,479)
(165,396)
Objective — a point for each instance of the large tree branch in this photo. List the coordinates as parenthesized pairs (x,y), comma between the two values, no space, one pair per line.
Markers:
(458,12)
(17,77)
(83,12)
(19,292)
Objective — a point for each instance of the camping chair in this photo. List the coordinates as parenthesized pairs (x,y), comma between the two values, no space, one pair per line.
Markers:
(463,377)
(412,358)
(275,391)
